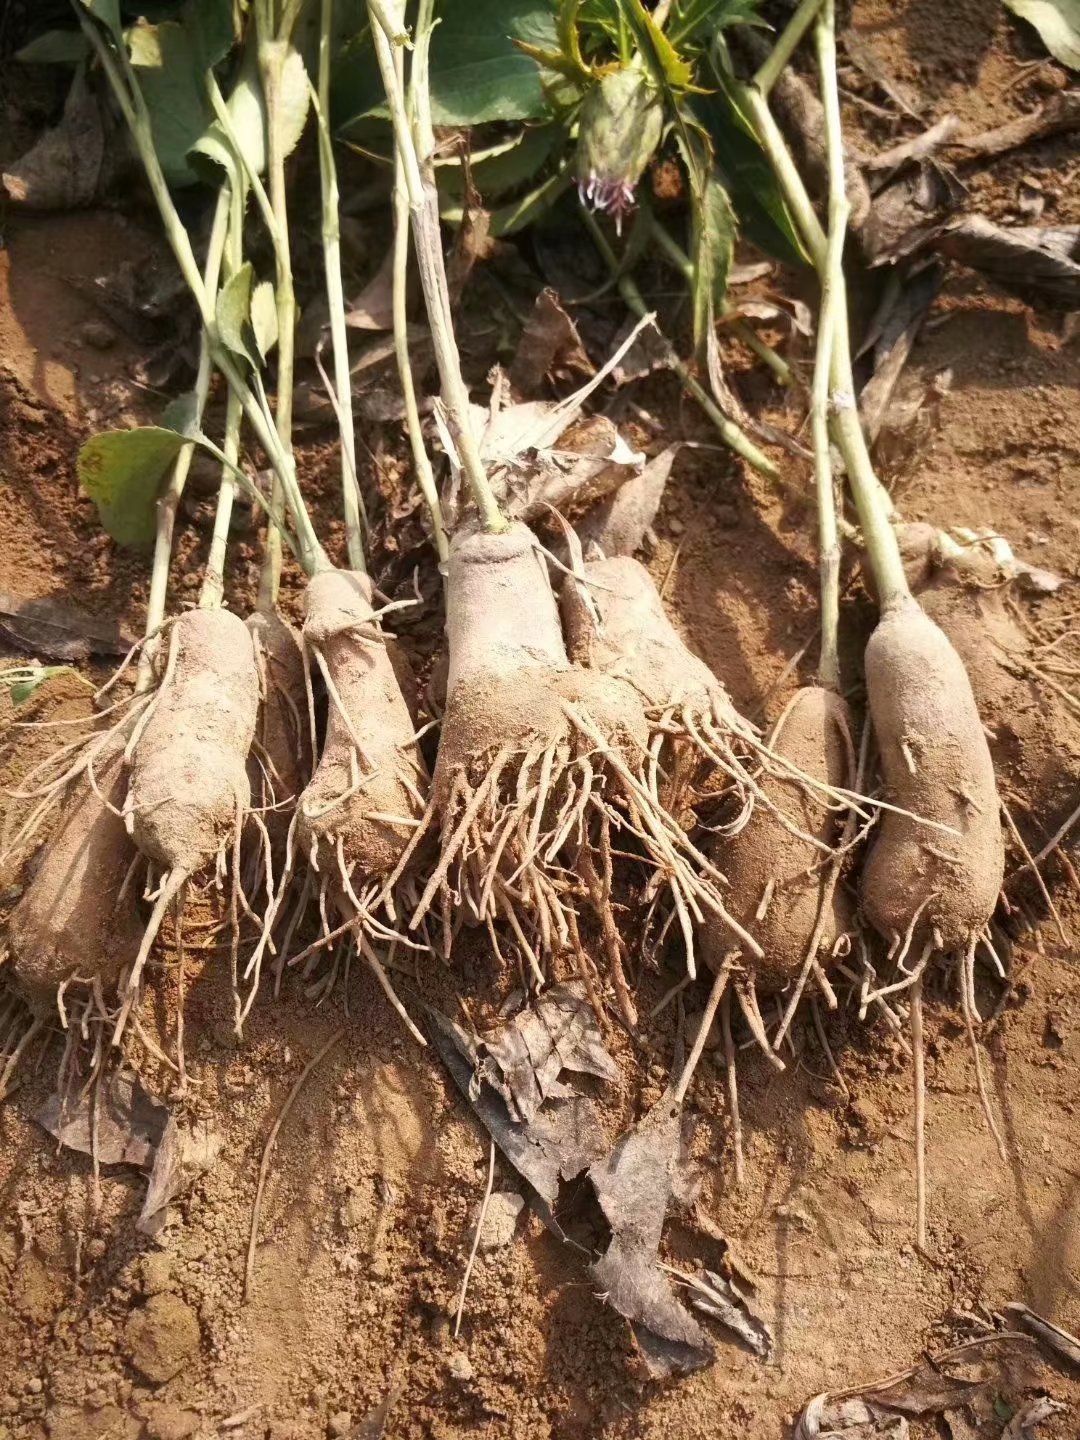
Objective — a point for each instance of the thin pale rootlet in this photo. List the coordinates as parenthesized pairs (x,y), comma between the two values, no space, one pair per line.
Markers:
(279,765)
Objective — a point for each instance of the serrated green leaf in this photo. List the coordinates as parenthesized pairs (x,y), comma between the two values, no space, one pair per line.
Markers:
(247,113)
(233,314)
(713,233)
(746,174)
(264,317)
(55,47)
(1058,24)
(122,472)
(660,56)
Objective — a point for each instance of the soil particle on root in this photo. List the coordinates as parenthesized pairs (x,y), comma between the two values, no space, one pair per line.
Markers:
(189,785)
(782,886)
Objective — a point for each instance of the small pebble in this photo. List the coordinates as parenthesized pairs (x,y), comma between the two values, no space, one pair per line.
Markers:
(503,1210)
(97,335)
(34,1386)
(339,1424)
(460,1366)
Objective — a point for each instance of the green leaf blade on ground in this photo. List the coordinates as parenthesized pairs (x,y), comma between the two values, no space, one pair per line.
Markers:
(122,472)
(1058,24)
(55,47)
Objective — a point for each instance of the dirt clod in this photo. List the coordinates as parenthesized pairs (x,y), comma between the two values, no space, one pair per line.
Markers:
(162,1337)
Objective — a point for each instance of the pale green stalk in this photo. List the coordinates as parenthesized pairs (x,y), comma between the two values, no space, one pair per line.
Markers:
(879,537)
(387,30)
(213,586)
(125,87)
(728,431)
(786,45)
(355,519)
(169,502)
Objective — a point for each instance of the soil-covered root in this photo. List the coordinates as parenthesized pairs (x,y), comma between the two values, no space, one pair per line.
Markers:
(279,765)
(782,886)
(539,763)
(932,878)
(1026,684)
(616,624)
(189,792)
(76,927)
(365,800)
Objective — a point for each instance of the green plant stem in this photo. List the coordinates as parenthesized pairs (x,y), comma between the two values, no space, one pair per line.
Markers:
(213,587)
(169,503)
(879,537)
(352,502)
(272,56)
(125,87)
(427,238)
(634,301)
(828,538)
(746,333)
(786,45)
(425,476)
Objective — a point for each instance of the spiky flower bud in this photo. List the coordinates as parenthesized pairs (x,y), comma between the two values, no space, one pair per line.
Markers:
(622,119)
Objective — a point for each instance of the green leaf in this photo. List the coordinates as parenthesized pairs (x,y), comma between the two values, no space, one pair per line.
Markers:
(247,113)
(264,317)
(22,680)
(234,314)
(105,11)
(714,229)
(55,47)
(170,78)
(183,415)
(122,472)
(656,49)
(478,73)
(1058,24)
(698,20)
(504,167)
(747,175)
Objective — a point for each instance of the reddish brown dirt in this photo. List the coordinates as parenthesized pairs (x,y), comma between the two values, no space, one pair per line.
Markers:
(379,1168)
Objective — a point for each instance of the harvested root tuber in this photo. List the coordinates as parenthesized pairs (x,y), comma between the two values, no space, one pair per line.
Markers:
(782,866)
(363,804)
(538,761)
(279,765)
(76,918)
(189,790)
